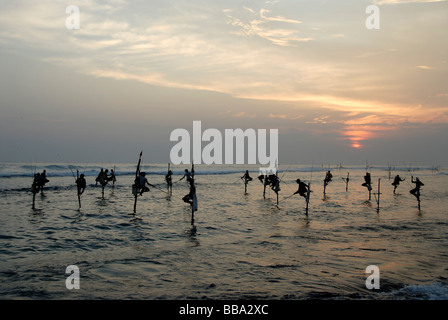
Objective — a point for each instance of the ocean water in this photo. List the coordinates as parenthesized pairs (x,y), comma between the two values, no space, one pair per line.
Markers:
(244,247)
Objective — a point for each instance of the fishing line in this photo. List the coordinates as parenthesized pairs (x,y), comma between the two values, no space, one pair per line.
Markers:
(73,174)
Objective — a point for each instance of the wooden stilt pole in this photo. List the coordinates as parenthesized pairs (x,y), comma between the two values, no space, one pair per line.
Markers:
(79,196)
(418,199)
(135,188)
(34,199)
(307,198)
(378,198)
(135,202)
(34,188)
(264,187)
(170,181)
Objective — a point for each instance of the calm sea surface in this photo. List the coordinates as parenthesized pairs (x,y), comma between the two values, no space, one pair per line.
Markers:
(245,247)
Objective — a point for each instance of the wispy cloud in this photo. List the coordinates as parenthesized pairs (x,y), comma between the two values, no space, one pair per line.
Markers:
(277,29)
(425,67)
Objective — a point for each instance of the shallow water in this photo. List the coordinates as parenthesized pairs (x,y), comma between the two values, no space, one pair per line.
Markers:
(245,247)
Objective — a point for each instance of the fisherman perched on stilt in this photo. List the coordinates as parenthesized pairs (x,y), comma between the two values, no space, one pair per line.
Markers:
(187,175)
(37,183)
(247,178)
(112,177)
(141,182)
(396,182)
(416,190)
(81,184)
(303,188)
(169,180)
(43,181)
(328,178)
(347,181)
(190,197)
(100,178)
(274,181)
(367,181)
(35,187)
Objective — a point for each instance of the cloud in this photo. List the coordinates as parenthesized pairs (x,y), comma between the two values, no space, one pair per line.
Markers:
(272,52)
(275,28)
(424,67)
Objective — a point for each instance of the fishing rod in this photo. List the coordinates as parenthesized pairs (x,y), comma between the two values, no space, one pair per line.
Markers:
(158,188)
(73,174)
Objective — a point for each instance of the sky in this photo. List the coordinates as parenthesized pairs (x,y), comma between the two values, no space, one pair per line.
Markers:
(134,71)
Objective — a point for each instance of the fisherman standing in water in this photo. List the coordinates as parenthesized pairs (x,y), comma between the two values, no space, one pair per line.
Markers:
(396,182)
(303,188)
(418,185)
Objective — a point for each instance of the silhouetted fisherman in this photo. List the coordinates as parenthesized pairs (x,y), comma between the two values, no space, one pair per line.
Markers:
(142,182)
(111,177)
(396,182)
(101,178)
(416,190)
(43,180)
(368,181)
(192,200)
(169,180)
(328,178)
(303,188)
(275,183)
(247,178)
(37,181)
(81,184)
(187,175)
(190,197)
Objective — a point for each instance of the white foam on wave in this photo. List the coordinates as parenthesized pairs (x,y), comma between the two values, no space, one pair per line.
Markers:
(433,291)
